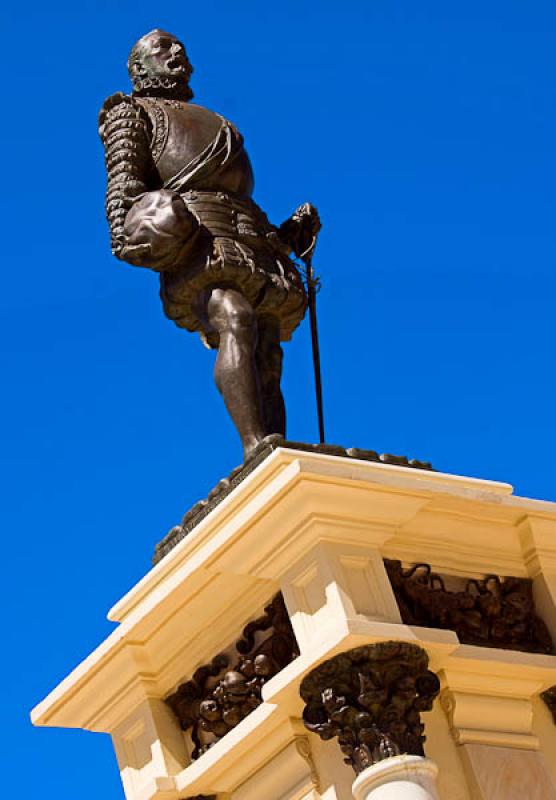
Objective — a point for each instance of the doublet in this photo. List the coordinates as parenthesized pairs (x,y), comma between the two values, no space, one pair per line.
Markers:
(154,143)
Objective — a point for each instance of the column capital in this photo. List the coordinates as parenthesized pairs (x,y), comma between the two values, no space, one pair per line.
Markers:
(371,698)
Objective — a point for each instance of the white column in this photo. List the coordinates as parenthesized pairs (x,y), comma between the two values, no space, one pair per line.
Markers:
(398,778)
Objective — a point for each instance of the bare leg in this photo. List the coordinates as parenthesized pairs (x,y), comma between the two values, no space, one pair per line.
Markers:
(235,371)
(269,363)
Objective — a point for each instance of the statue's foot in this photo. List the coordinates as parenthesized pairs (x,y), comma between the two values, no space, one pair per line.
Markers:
(252,450)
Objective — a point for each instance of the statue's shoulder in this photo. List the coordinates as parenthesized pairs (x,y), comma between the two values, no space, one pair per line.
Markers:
(201,112)
(182,108)
(201,118)
(118,105)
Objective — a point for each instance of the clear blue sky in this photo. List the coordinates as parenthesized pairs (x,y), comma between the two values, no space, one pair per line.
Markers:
(425,133)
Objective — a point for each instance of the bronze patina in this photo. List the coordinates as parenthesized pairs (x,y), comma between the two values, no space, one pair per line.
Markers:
(370,699)
(222,693)
(490,612)
(179,202)
(549,697)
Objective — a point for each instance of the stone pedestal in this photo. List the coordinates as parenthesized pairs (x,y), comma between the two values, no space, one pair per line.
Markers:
(200,690)
(399,778)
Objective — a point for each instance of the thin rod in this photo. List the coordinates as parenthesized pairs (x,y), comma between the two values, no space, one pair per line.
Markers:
(312,302)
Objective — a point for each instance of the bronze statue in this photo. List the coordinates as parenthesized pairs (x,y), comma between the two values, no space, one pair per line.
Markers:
(179,202)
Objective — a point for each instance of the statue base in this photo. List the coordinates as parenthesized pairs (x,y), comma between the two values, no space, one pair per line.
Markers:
(271,443)
(317,526)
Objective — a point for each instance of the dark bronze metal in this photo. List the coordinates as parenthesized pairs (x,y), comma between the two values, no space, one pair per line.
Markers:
(221,694)
(179,202)
(492,612)
(312,301)
(549,697)
(371,698)
(312,285)
(222,489)
(202,797)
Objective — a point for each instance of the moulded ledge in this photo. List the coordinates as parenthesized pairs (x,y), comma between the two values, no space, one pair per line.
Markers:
(534,666)
(244,750)
(444,650)
(283,468)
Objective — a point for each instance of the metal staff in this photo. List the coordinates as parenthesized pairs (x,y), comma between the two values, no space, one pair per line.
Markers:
(313,285)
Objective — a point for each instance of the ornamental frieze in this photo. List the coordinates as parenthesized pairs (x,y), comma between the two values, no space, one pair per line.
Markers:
(549,697)
(222,693)
(491,612)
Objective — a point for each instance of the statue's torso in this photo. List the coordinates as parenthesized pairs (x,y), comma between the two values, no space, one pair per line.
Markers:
(181,132)
(189,150)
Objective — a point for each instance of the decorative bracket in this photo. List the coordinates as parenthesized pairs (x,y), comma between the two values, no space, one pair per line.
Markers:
(303,747)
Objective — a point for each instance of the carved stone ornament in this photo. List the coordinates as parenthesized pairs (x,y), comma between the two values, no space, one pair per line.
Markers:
(304,749)
(549,698)
(492,612)
(371,698)
(224,692)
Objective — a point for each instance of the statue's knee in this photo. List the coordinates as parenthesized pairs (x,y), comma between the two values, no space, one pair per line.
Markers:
(238,315)
(230,311)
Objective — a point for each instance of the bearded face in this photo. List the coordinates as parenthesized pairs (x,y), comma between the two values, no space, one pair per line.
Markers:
(158,64)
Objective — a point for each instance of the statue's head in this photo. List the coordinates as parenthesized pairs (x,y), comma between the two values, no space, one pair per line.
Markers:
(158,65)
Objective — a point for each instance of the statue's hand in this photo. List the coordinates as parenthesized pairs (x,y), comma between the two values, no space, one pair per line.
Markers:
(301,229)
(137,254)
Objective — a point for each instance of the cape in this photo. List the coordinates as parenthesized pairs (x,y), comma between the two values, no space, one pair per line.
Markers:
(215,158)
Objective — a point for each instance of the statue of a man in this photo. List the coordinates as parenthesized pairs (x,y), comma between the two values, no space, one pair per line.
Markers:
(179,202)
